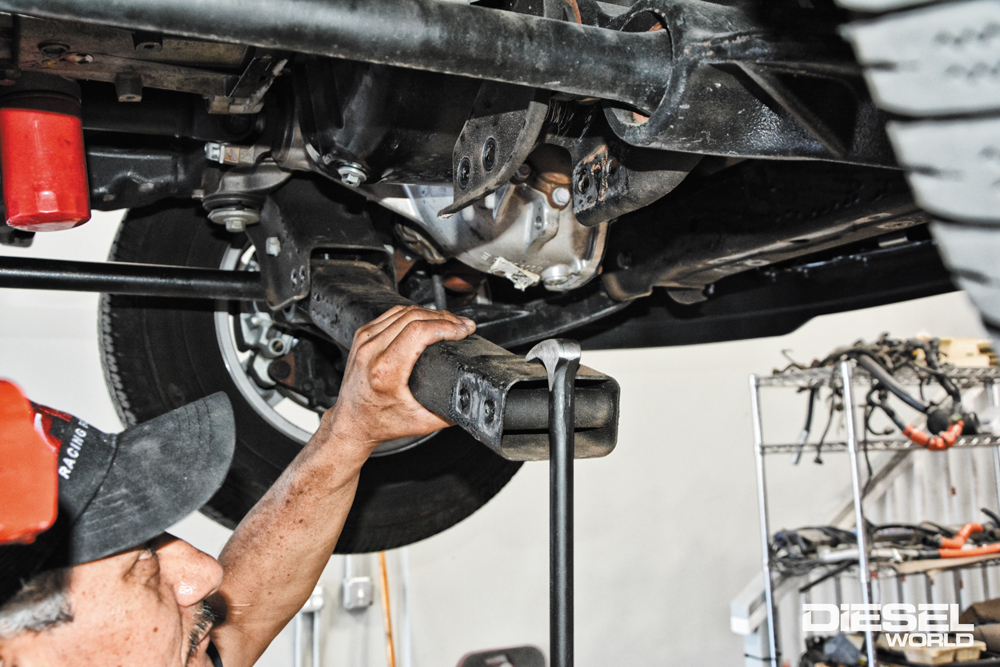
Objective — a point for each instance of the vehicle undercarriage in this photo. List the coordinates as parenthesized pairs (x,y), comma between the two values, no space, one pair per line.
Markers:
(630,174)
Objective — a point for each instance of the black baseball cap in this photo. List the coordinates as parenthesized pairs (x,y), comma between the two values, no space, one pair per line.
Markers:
(117,491)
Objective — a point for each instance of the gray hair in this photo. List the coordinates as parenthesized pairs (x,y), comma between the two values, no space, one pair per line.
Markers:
(42,603)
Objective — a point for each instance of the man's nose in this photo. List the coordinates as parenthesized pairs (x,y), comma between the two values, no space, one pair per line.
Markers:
(193,575)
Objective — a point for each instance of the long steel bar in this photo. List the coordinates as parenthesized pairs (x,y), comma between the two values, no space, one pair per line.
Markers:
(864,573)
(448,37)
(561,515)
(765,531)
(135,279)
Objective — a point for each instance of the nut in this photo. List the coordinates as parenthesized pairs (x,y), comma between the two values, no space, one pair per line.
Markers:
(235,225)
(235,219)
(352,174)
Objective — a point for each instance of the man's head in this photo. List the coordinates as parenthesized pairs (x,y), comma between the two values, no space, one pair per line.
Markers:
(144,606)
(104,585)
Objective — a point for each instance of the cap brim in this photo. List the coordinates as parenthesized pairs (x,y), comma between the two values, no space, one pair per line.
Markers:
(163,470)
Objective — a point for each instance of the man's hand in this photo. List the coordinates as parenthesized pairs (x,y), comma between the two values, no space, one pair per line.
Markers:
(276,554)
(375,403)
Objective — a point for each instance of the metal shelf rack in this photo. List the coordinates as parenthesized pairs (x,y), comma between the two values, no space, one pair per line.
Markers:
(847,376)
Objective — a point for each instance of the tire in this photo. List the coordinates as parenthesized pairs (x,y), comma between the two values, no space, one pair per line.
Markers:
(936,66)
(159,354)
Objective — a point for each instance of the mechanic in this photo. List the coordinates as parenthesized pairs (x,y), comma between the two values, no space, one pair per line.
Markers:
(106,586)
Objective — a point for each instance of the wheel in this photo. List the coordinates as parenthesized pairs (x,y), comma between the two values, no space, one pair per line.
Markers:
(936,67)
(159,354)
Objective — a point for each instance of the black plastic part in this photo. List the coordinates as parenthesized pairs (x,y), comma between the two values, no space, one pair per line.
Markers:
(518,656)
(15,238)
(939,420)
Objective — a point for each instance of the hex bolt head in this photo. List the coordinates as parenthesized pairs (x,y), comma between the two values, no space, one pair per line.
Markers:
(561,196)
(272,246)
(352,174)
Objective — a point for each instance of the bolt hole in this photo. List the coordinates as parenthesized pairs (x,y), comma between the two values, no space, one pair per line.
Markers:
(583,184)
(464,173)
(489,154)
(612,169)
(464,399)
(489,411)
(53,49)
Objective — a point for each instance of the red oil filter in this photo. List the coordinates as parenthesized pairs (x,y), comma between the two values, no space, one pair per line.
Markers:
(42,159)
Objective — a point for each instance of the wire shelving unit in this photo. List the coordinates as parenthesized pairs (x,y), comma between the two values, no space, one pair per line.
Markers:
(846,376)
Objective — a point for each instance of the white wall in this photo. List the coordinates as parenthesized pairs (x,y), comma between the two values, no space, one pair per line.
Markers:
(666,526)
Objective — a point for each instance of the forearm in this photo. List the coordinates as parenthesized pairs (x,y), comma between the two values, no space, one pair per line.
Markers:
(277,553)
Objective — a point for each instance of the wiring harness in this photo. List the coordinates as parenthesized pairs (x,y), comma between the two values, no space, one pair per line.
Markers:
(805,549)
(883,360)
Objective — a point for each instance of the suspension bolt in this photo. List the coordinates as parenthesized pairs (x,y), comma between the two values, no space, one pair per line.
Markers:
(352,174)
(560,196)
(234,218)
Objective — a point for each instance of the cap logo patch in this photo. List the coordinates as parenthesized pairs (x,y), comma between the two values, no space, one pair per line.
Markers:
(73,450)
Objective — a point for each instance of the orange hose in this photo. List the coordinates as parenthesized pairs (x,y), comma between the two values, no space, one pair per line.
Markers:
(978,551)
(951,435)
(962,536)
(390,652)
(944,440)
(916,435)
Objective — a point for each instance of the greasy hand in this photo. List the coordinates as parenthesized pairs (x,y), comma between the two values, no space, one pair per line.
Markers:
(375,403)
